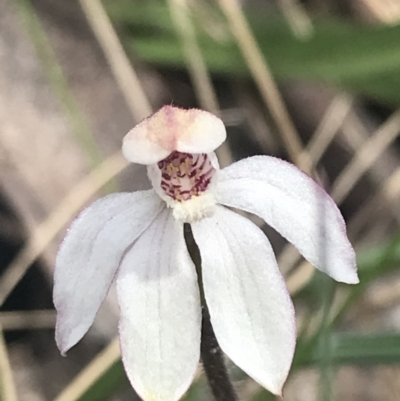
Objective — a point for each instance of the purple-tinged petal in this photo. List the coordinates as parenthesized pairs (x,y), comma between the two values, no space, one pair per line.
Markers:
(160,312)
(173,129)
(251,311)
(295,206)
(90,255)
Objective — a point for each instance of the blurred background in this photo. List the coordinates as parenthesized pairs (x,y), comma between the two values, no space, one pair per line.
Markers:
(315,82)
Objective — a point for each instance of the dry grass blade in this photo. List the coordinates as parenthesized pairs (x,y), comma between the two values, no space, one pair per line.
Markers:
(300,277)
(71,204)
(387,11)
(391,187)
(389,193)
(297,18)
(8,391)
(197,67)
(126,77)
(383,296)
(195,62)
(330,124)
(288,258)
(27,320)
(93,372)
(366,156)
(262,76)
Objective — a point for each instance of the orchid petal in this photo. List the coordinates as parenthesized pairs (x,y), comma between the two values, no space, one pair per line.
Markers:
(173,129)
(295,206)
(160,312)
(251,311)
(90,255)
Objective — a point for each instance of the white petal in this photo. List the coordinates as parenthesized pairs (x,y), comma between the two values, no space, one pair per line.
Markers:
(160,312)
(90,255)
(251,311)
(173,129)
(294,205)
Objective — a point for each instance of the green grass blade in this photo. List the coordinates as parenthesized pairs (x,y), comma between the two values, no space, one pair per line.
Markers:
(364,59)
(357,349)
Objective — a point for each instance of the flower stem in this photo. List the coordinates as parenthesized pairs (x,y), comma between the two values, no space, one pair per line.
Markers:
(211,354)
(213,362)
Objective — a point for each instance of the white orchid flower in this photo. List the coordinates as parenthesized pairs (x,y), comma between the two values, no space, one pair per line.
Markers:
(138,239)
